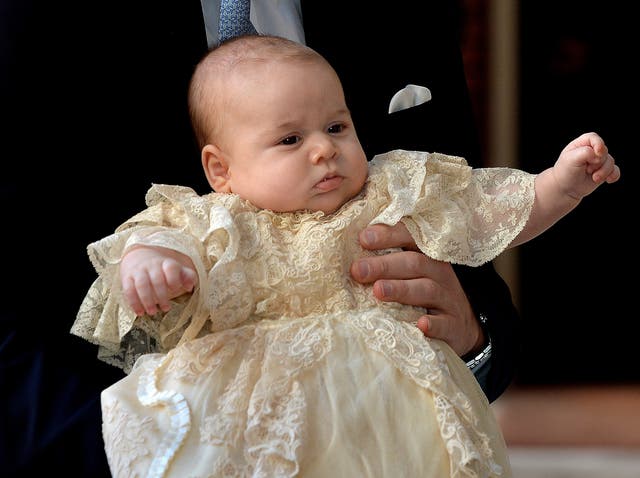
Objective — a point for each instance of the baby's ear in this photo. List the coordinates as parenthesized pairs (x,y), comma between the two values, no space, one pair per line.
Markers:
(216,168)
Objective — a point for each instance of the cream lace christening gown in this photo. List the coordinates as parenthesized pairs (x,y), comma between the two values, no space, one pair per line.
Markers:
(279,364)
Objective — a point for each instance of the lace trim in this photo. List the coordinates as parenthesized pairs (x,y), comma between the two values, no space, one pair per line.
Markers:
(179,419)
(421,359)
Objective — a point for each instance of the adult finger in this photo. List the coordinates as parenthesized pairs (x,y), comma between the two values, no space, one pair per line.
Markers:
(381,236)
(420,292)
(462,337)
(396,265)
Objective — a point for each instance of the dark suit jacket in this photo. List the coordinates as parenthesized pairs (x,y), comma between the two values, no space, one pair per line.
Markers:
(96,98)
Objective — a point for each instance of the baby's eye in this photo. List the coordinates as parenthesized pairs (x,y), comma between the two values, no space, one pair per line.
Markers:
(293,139)
(336,128)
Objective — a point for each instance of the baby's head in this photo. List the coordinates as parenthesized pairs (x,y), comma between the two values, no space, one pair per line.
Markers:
(273,126)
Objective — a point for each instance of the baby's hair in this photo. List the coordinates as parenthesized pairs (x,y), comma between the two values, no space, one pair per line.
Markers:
(207,87)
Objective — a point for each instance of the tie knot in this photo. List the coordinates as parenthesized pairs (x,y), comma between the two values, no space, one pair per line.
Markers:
(234,19)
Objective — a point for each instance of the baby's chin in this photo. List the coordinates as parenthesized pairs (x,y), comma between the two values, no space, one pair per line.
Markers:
(326,204)
(330,207)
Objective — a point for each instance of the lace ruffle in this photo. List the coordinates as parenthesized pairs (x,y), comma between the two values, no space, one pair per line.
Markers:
(455,213)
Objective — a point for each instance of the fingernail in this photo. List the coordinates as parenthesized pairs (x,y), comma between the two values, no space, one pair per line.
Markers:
(387,289)
(369,237)
(363,269)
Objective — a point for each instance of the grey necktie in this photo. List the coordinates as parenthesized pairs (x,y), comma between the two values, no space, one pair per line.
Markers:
(234,19)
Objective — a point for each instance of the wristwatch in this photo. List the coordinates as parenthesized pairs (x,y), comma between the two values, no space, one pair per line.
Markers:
(485,354)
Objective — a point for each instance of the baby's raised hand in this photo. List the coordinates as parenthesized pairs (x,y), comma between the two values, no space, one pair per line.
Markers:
(152,276)
(584,164)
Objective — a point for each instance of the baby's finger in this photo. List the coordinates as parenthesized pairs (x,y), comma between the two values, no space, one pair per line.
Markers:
(131,296)
(608,171)
(592,140)
(180,279)
(599,146)
(189,279)
(146,293)
(614,176)
(160,292)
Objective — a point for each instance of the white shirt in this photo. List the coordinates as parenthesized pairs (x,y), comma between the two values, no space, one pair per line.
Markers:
(273,17)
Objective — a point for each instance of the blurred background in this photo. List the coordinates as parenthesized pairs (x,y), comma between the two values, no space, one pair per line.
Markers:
(541,73)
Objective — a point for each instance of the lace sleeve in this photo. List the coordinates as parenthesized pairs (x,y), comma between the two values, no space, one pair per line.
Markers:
(173,222)
(455,213)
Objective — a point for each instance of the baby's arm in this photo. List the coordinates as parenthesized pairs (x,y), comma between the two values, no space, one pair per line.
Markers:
(151,276)
(583,165)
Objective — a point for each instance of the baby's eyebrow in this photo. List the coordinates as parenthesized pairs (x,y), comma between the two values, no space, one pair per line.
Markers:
(286,125)
(343,112)
(293,125)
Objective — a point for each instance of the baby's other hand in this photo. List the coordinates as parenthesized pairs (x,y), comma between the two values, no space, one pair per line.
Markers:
(584,164)
(152,276)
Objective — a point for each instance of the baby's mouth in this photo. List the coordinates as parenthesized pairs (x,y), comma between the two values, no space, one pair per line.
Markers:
(329,182)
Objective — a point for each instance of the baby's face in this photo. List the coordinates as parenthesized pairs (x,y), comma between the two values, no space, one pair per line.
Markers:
(289,139)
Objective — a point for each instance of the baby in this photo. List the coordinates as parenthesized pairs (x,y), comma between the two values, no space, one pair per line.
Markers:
(255,352)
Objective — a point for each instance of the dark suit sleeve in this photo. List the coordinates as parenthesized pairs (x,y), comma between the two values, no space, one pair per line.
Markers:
(378,51)
(490,296)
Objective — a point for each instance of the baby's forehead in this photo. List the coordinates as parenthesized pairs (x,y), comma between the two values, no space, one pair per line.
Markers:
(252,72)
(260,63)
(244,57)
